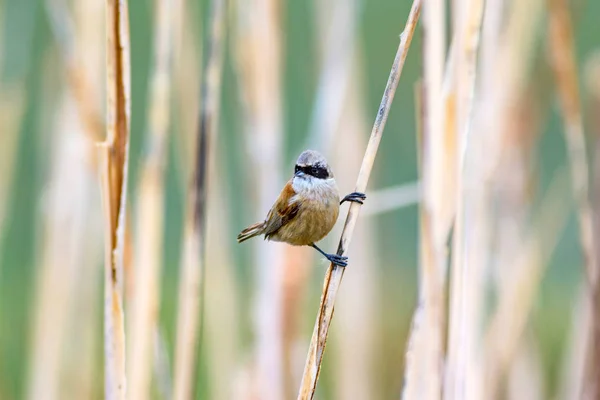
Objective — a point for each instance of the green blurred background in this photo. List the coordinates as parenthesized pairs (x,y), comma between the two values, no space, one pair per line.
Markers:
(30,55)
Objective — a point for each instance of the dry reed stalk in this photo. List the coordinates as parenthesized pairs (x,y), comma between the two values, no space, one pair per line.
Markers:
(113,172)
(427,355)
(573,369)
(194,257)
(481,157)
(295,279)
(188,73)
(12,101)
(513,196)
(334,273)
(508,322)
(85,330)
(162,366)
(562,53)
(416,341)
(337,22)
(66,231)
(259,59)
(222,317)
(462,325)
(592,78)
(77,75)
(526,380)
(148,258)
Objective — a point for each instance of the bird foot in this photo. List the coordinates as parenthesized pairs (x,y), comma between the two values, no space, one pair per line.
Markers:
(356,197)
(340,261)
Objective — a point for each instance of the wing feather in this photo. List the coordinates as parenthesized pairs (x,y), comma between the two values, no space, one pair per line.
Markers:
(283,211)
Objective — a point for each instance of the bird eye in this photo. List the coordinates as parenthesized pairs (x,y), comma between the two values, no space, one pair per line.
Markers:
(296,169)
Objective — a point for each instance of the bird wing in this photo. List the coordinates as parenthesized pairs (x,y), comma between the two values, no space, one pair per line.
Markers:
(283,211)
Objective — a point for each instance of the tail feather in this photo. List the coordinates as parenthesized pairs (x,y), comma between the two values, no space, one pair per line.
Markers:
(251,231)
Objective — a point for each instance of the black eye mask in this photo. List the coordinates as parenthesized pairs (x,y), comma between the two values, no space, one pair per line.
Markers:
(318,171)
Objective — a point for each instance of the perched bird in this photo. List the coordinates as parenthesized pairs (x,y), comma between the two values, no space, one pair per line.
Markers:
(306,209)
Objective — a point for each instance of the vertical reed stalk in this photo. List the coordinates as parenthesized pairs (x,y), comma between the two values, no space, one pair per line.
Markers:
(149,255)
(526,379)
(63,260)
(194,256)
(113,173)
(431,253)
(259,55)
(222,318)
(462,322)
(562,52)
(334,273)
(504,79)
(12,101)
(508,322)
(83,366)
(77,75)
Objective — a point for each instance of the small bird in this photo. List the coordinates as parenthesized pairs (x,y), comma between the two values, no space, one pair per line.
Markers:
(306,209)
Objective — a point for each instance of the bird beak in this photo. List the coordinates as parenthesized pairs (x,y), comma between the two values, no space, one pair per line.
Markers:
(299,173)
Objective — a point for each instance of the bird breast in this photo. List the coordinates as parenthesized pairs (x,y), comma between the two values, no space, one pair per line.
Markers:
(319,208)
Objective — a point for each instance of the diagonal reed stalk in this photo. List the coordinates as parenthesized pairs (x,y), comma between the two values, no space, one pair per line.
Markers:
(148,259)
(192,274)
(334,273)
(113,174)
(562,53)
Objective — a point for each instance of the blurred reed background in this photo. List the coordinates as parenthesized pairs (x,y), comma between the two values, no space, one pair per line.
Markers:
(474,264)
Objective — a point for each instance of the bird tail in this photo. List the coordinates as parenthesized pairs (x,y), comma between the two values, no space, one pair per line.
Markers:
(251,231)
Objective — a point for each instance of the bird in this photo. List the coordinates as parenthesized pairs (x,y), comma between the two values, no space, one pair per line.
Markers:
(306,209)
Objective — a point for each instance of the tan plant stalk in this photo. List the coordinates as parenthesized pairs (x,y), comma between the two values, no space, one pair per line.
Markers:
(334,273)
(508,322)
(148,259)
(426,357)
(562,53)
(222,317)
(194,256)
(83,364)
(526,379)
(113,173)
(337,48)
(473,221)
(77,76)
(573,370)
(461,77)
(188,73)
(259,64)
(63,259)
(592,79)
(12,101)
